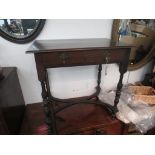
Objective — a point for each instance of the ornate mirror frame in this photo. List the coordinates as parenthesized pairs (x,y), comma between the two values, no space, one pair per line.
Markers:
(26,39)
(115,37)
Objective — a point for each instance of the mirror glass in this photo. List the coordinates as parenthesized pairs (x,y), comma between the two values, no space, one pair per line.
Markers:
(140,33)
(19,28)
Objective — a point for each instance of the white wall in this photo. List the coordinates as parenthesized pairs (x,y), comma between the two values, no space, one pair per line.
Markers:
(66,82)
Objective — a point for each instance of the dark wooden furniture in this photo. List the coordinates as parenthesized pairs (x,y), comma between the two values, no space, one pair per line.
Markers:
(77,52)
(80,119)
(3,127)
(153,72)
(1,73)
(12,103)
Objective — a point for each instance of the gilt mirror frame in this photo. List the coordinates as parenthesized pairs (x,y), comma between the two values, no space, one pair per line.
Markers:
(115,37)
(26,39)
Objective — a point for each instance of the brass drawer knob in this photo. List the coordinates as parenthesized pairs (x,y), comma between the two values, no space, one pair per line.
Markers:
(64,57)
(99,132)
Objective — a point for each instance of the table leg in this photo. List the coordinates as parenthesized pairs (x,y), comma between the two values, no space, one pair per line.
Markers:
(49,112)
(122,70)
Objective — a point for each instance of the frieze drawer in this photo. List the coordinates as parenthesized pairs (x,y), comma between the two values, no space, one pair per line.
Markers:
(72,58)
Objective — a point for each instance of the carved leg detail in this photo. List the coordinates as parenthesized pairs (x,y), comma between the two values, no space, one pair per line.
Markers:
(119,88)
(50,118)
(98,88)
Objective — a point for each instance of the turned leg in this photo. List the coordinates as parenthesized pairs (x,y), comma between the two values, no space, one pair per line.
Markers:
(122,70)
(118,91)
(49,112)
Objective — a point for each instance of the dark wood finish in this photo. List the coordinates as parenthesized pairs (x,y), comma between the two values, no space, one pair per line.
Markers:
(1,73)
(74,45)
(74,120)
(3,127)
(12,103)
(77,52)
(152,81)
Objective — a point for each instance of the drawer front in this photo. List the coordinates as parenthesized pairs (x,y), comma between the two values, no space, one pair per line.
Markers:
(108,130)
(73,58)
(97,131)
(112,129)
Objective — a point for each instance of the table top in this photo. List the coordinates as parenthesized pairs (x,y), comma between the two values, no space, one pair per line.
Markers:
(39,46)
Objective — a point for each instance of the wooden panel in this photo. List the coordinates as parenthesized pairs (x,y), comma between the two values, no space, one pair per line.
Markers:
(42,46)
(80,119)
(92,57)
(11,100)
(111,129)
(3,127)
(87,117)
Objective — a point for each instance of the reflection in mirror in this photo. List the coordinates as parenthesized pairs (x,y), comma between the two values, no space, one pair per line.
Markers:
(18,28)
(137,32)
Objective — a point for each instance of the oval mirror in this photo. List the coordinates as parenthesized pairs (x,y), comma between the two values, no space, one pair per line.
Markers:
(137,32)
(21,30)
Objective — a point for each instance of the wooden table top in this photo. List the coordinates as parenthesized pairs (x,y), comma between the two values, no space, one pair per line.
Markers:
(74,44)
